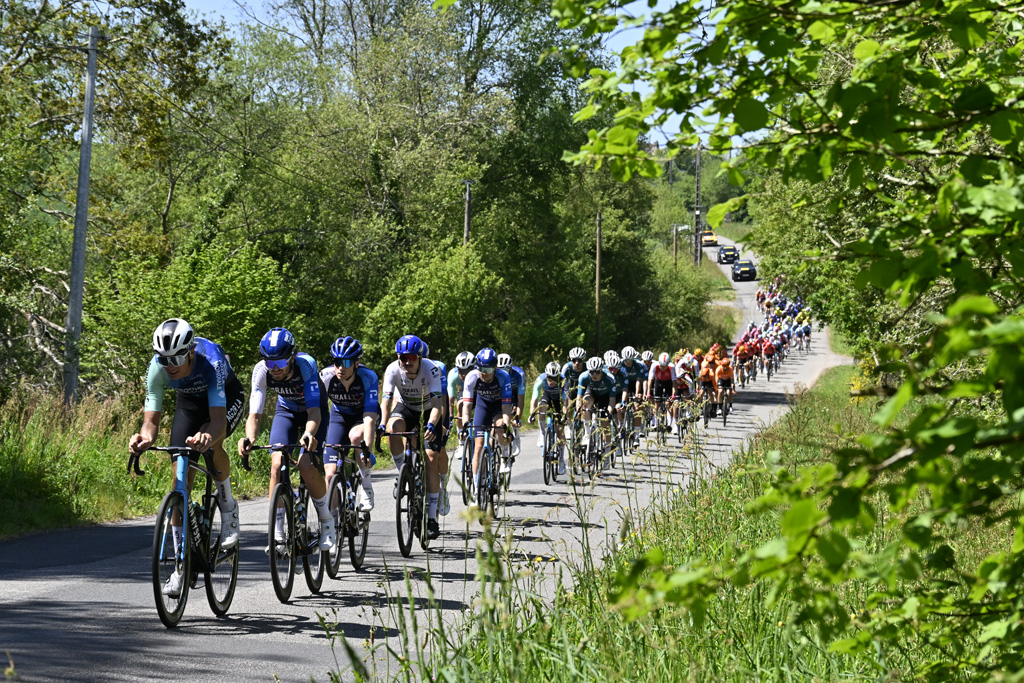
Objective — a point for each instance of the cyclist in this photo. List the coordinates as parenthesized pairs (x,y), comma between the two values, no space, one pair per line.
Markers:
(683,390)
(352,388)
(726,385)
(636,379)
(596,388)
(488,394)
(518,378)
(207,410)
(706,377)
(613,365)
(301,403)
(661,380)
(446,427)
(456,382)
(547,393)
(412,387)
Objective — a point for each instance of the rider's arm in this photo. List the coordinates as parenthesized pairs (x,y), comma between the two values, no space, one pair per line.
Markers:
(147,432)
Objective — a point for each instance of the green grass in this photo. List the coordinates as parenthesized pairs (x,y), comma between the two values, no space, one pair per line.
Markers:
(721,285)
(513,634)
(735,231)
(838,342)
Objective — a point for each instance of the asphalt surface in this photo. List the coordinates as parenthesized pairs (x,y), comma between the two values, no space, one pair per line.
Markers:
(77,604)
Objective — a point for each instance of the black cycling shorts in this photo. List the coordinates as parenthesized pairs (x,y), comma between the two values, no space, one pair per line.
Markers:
(662,389)
(192,411)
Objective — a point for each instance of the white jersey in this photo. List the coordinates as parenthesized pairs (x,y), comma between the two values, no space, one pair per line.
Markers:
(414,392)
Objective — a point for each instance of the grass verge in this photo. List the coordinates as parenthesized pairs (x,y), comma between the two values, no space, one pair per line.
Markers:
(737,232)
(721,285)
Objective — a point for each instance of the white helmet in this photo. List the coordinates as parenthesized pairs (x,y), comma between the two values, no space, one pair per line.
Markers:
(663,358)
(648,356)
(173,337)
(577,353)
(552,369)
(595,363)
(464,361)
(504,360)
(611,359)
(629,353)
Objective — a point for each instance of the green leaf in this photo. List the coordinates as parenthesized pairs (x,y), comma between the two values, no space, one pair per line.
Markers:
(822,31)
(894,405)
(997,629)
(750,114)
(866,49)
(834,549)
(974,303)
(801,517)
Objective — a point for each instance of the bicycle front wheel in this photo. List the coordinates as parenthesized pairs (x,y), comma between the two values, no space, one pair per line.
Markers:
(404,514)
(314,560)
(282,554)
(337,500)
(546,456)
(467,450)
(357,541)
(168,561)
(222,575)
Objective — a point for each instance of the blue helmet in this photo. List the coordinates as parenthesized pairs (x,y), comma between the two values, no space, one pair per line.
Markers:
(410,343)
(276,344)
(426,349)
(487,358)
(347,348)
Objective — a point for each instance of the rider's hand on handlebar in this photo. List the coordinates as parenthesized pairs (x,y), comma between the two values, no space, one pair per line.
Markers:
(138,443)
(200,441)
(244,446)
(308,441)
(532,418)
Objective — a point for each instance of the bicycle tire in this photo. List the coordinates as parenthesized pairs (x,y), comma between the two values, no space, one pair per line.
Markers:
(221,574)
(357,541)
(546,455)
(165,560)
(337,501)
(404,521)
(725,411)
(487,485)
(314,560)
(282,565)
(420,507)
(467,471)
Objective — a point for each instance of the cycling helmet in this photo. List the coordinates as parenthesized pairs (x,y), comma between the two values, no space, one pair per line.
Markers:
(698,352)
(663,358)
(595,363)
(426,349)
(612,360)
(577,353)
(504,360)
(347,348)
(464,361)
(173,337)
(552,369)
(725,362)
(487,358)
(647,356)
(629,353)
(277,344)
(410,343)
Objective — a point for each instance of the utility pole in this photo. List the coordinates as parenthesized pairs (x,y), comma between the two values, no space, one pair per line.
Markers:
(675,245)
(597,284)
(698,227)
(73,325)
(469,203)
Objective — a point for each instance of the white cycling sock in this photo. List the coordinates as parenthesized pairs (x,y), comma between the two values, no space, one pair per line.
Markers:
(279,522)
(225,500)
(367,484)
(399,460)
(323,511)
(432,499)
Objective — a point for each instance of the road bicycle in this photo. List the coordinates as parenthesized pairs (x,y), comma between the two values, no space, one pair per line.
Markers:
(488,486)
(198,549)
(507,459)
(411,501)
(594,446)
(300,534)
(342,495)
(464,454)
(661,427)
(552,450)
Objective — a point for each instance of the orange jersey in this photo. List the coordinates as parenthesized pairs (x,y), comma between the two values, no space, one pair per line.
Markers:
(723,372)
(707,371)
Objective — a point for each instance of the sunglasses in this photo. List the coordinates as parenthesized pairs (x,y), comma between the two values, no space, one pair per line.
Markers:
(344,362)
(407,357)
(277,364)
(577,362)
(172,361)
(487,370)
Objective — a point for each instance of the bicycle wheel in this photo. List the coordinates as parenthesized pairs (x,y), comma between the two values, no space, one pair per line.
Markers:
(725,410)
(337,500)
(404,514)
(467,472)
(546,455)
(282,555)
(705,410)
(420,507)
(357,541)
(221,577)
(166,561)
(487,486)
(314,560)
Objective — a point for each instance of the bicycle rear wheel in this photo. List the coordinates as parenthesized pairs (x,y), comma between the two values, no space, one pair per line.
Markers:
(222,575)
(357,541)
(405,521)
(337,500)
(314,560)
(546,455)
(467,470)
(282,555)
(166,561)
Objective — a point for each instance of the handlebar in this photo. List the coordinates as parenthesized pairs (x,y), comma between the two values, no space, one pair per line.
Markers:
(351,447)
(133,458)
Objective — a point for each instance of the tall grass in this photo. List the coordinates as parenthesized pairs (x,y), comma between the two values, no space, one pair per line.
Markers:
(737,232)
(515,634)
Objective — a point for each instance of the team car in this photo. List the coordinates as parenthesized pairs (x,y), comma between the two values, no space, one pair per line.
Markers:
(744,270)
(708,239)
(728,254)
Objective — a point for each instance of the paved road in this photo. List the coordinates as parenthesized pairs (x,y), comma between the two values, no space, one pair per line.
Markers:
(77,604)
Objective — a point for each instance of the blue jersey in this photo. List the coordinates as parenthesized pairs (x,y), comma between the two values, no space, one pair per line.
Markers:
(620,378)
(571,375)
(210,373)
(361,397)
(499,389)
(601,387)
(455,383)
(518,378)
(297,393)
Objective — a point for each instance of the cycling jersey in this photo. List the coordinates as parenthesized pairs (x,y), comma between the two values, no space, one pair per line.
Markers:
(684,385)
(621,380)
(707,371)
(544,392)
(603,386)
(498,390)
(661,374)
(455,383)
(210,373)
(571,375)
(303,389)
(723,373)
(414,392)
(360,397)
(518,378)
(634,374)
(767,348)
